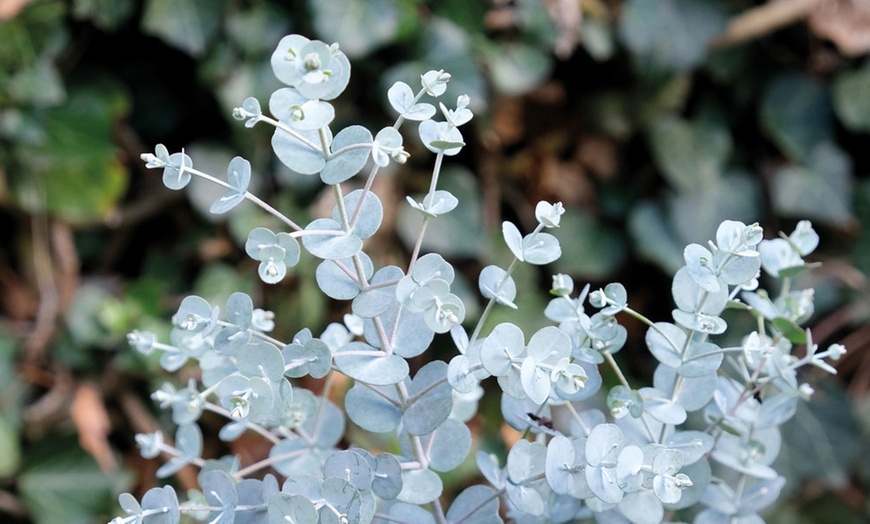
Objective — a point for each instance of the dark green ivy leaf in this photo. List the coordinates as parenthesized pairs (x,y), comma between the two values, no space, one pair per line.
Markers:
(691,155)
(796,113)
(62,483)
(851,100)
(671,34)
(359,26)
(74,172)
(105,14)
(820,190)
(516,68)
(821,440)
(186,24)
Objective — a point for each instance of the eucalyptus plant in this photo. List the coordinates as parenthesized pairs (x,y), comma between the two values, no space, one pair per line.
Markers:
(696,445)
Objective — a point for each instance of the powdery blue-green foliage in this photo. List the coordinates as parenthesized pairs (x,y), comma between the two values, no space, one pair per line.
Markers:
(697,444)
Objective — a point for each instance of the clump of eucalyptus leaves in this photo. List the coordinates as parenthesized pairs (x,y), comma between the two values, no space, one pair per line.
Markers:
(642,459)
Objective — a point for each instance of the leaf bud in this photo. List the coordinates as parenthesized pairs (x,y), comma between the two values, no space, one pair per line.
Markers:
(836,351)
(598,298)
(806,391)
(435,82)
(549,214)
(563,285)
(142,341)
(683,481)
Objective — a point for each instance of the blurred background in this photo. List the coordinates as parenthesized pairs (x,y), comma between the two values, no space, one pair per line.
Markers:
(651,120)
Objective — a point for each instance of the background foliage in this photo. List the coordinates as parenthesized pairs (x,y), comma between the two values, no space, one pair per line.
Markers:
(652,120)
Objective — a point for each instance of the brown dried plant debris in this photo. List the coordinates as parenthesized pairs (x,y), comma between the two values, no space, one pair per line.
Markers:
(88,413)
(846,23)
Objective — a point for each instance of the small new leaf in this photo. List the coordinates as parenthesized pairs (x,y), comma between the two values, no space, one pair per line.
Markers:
(403,101)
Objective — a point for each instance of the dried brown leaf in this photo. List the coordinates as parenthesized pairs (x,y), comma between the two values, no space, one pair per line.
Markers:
(846,23)
(10,8)
(89,415)
(599,154)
